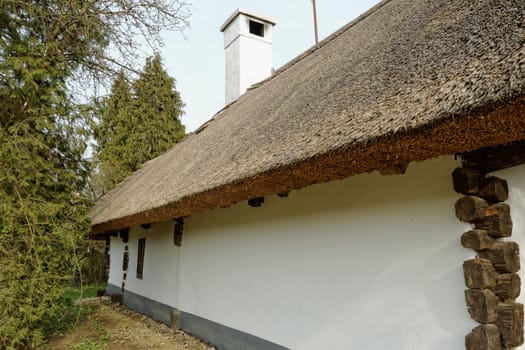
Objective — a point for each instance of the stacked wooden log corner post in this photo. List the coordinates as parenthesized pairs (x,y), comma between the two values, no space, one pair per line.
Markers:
(491,277)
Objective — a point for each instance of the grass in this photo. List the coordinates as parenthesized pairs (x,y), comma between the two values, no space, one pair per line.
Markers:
(90,343)
(74,293)
(73,313)
(84,332)
(74,317)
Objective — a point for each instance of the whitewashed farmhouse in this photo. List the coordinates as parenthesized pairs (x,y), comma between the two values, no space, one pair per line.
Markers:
(368,195)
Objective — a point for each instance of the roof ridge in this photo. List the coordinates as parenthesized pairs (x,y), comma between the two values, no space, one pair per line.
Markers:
(321,44)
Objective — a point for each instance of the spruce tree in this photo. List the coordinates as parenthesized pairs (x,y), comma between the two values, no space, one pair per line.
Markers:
(157,112)
(112,135)
(129,135)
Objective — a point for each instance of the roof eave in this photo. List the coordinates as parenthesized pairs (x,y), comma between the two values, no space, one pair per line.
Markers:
(452,135)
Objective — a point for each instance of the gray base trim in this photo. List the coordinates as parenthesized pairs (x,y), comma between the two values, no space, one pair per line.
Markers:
(113,289)
(222,337)
(154,309)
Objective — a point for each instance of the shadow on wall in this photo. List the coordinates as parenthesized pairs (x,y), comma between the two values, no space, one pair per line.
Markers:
(358,194)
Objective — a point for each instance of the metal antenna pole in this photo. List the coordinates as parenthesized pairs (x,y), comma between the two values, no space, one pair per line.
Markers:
(315,24)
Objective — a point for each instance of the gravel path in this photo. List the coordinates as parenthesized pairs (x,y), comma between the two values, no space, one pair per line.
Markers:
(113,326)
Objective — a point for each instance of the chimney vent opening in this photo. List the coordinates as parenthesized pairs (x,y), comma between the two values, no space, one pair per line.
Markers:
(257,28)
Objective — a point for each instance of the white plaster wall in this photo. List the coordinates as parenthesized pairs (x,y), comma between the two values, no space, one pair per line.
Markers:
(116,254)
(161,257)
(516,179)
(371,262)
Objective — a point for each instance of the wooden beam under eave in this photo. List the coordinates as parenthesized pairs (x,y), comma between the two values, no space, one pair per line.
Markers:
(489,159)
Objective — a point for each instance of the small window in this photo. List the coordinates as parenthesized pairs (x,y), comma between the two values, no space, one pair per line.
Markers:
(257,28)
(140,257)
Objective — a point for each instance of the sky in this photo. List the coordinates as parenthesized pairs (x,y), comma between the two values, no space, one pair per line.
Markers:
(196,60)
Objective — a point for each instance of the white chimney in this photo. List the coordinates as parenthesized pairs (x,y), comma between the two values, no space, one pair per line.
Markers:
(248,48)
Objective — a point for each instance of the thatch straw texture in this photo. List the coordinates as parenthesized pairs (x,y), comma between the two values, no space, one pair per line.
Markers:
(407,81)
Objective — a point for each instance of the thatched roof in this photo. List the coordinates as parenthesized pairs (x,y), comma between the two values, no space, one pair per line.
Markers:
(407,81)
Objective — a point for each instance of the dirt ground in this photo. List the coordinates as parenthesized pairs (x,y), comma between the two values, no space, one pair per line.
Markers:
(113,326)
